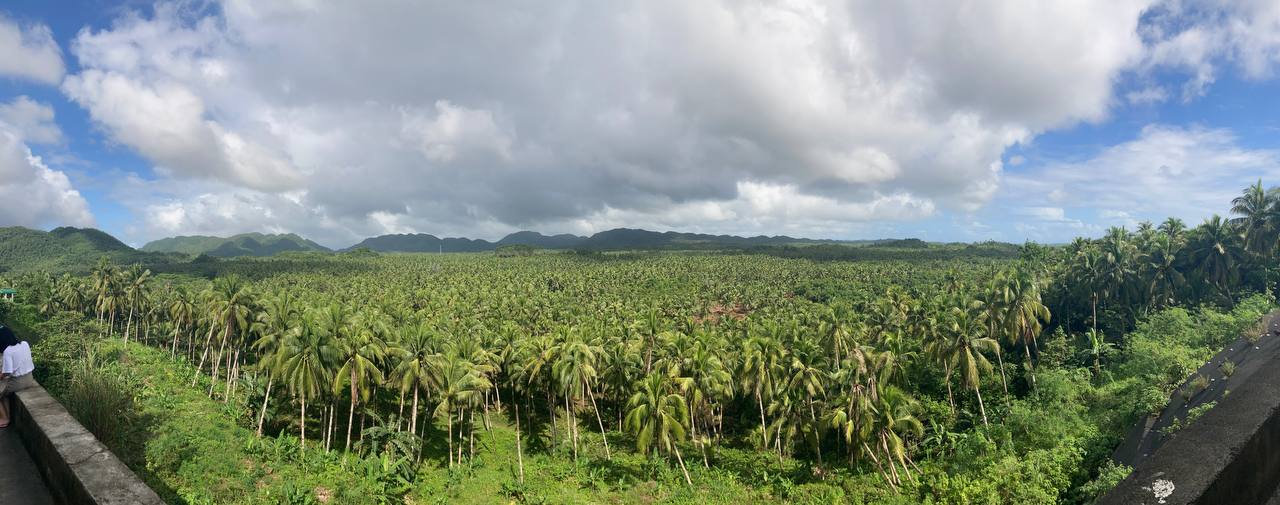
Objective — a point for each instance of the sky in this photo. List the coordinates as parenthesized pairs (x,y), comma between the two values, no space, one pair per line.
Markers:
(848,119)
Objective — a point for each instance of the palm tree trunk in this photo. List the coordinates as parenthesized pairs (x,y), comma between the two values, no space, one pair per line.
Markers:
(351,414)
(450,417)
(222,347)
(951,399)
(1031,369)
(413,422)
(682,468)
(599,421)
(200,368)
(981,408)
(400,415)
(262,415)
(573,428)
(519,450)
(128,325)
(302,424)
(880,467)
(764,432)
(1003,383)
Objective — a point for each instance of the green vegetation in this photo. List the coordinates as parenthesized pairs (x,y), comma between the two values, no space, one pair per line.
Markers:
(64,250)
(245,244)
(680,377)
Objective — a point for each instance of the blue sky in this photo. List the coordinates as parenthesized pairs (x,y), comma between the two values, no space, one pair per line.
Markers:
(852,119)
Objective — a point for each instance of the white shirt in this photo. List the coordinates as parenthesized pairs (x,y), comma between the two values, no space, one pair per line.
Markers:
(17,360)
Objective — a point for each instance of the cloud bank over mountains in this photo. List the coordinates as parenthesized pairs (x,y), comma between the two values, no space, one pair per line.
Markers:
(811,118)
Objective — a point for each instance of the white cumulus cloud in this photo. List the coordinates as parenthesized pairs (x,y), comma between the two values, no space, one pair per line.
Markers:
(29,52)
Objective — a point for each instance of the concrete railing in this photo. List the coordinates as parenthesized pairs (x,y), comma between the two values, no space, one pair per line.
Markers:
(1231,454)
(76,467)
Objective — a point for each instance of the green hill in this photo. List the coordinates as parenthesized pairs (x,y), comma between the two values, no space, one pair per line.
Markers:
(244,244)
(611,240)
(65,249)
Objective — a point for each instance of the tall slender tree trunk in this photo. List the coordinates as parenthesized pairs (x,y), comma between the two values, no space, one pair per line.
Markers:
(682,467)
(302,424)
(351,414)
(1031,369)
(981,408)
(400,415)
(200,368)
(222,347)
(951,399)
(450,416)
(262,414)
(128,325)
(519,449)
(571,420)
(413,423)
(764,432)
(1003,383)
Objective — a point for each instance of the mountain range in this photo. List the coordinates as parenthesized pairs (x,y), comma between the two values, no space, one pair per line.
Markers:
(611,240)
(77,250)
(244,244)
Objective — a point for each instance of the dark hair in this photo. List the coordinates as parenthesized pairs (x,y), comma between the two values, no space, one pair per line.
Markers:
(7,338)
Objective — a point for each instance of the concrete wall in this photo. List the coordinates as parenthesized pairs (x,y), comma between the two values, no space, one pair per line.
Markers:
(1230,455)
(77,468)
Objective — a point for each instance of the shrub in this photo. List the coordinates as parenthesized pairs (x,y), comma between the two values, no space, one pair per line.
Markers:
(1152,400)
(1228,368)
(1199,383)
(1255,332)
(99,399)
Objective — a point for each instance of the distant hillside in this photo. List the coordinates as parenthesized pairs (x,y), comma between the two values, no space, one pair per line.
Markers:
(245,244)
(535,239)
(422,242)
(611,240)
(65,250)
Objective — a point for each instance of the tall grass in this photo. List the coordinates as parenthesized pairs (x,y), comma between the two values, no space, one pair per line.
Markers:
(98,399)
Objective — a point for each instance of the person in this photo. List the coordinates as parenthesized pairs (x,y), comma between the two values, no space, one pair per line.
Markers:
(15,369)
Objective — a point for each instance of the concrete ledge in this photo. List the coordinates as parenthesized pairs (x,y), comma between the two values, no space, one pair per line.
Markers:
(1230,455)
(77,468)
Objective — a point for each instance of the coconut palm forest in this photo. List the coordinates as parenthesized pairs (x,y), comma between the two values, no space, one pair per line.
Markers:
(914,373)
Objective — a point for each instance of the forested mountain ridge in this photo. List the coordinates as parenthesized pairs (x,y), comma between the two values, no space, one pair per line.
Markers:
(610,240)
(65,249)
(244,244)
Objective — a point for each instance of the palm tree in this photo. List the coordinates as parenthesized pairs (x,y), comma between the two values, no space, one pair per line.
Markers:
(358,355)
(892,421)
(460,387)
(1216,254)
(761,358)
(232,311)
(415,368)
(1165,278)
(962,351)
(275,326)
(134,280)
(658,416)
(306,359)
(1173,228)
(1025,315)
(575,369)
(1257,210)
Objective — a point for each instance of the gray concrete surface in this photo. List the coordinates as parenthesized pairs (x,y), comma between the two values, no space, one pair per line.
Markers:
(78,468)
(1231,455)
(19,478)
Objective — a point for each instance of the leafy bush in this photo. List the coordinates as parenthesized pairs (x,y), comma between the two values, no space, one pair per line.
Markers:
(1228,368)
